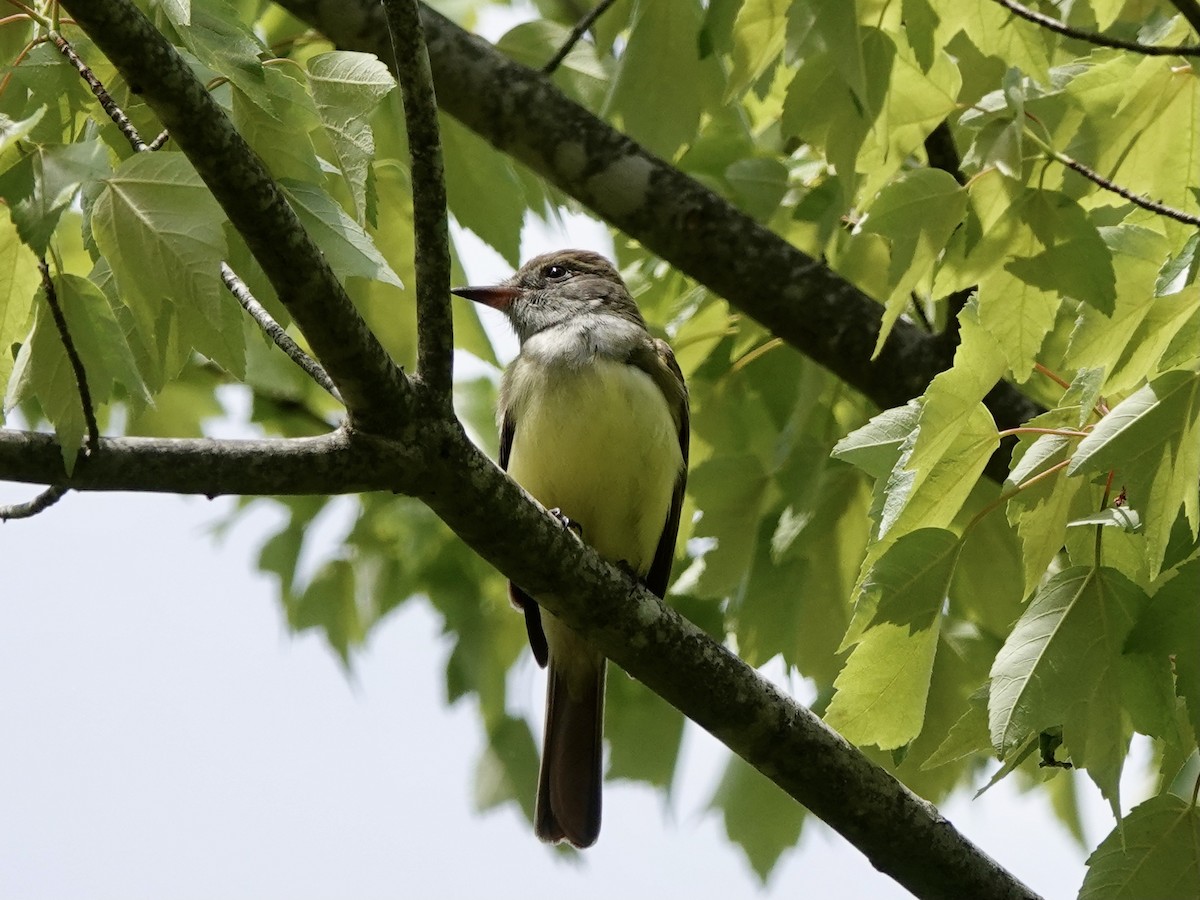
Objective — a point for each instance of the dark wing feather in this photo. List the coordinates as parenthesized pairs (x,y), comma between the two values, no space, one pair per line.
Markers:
(520,599)
(661,366)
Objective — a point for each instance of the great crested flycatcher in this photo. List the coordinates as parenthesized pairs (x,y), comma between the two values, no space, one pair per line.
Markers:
(593,423)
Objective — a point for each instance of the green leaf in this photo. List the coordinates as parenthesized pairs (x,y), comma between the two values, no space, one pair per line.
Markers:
(882,691)
(955,437)
(581,76)
(347,87)
(759,817)
(212,30)
(1076,261)
(663,51)
(1151,439)
(348,247)
(329,603)
(280,133)
(916,214)
(483,190)
(758,35)
(19,280)
(909,583)
(730,490)
(1062,666)
(644,732)
(43,371)
(106,356)
(1152,854)
(1168,628)
(1018,315)
(160,230)
(758,185)
(1078,268)
(508,768)
(831,26)
(876,446)
(967,737)
(42,185)
(1113,517)
(1178,271)
(920,23)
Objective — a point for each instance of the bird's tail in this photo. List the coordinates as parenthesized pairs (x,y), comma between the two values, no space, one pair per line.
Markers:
(569,786)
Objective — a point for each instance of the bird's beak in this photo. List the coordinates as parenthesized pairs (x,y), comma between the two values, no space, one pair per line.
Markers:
(500,296)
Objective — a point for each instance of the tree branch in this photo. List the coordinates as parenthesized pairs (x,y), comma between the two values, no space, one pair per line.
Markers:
(376,392)
(273,330)
(44,500)
(1100,40)
(106,101)
(1136,199)
(435,327)
(577,33)
(901,834)
(794,296)
(1190,10)
(340,462)
(77,369)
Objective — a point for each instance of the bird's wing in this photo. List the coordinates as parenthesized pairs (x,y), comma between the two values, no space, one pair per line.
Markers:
(659,363)
(520,599)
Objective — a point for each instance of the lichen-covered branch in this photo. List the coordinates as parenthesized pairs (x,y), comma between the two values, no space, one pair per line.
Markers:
(375,390)
(796,297)
(340,462)
(901,834)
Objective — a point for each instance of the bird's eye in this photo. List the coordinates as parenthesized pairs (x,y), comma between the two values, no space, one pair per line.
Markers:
(555,272)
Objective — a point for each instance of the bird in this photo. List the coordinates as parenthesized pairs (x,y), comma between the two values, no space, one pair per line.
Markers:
(594,423)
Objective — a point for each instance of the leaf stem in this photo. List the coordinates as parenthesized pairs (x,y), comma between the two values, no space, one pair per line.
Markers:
(1004,498)
(1027,429)
(1103,506)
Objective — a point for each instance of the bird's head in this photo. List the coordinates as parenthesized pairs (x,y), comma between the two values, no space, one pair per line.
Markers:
(556,287)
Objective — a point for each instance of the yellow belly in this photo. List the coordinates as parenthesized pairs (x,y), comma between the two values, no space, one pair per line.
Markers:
(600,444)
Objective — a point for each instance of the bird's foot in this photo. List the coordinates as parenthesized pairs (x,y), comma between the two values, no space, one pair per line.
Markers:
(567,522)
(627,567)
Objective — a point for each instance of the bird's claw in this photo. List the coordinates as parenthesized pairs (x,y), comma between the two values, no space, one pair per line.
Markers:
(567,522)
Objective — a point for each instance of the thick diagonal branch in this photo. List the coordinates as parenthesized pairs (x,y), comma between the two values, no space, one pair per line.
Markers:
(796,297)
(901,834)
(375,390)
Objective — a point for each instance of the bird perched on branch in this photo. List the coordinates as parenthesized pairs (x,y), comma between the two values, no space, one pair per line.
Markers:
(593,422)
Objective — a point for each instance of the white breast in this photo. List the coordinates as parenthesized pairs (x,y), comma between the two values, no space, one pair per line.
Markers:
(598,442)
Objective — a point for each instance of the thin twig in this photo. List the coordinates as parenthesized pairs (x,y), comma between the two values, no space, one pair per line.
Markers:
(276,333)
(29,508)
(1190,10)
(435,330)
(158,142)
(1137,199)
(60,322)
(110,106)
(577,33)
(1101,40)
